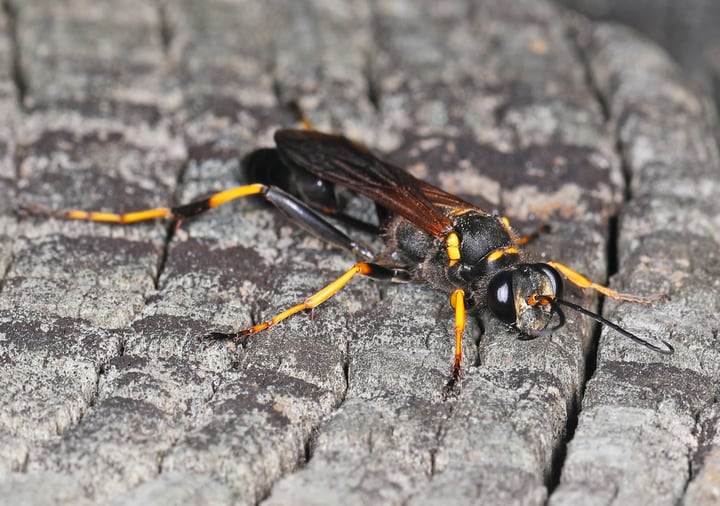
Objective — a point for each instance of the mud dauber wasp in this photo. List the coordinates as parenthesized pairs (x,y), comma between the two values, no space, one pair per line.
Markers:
(430,236)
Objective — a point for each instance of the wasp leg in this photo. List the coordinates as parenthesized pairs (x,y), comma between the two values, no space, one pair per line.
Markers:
(175,213)
(457,301)
(306,123)
(314,223)
(301,213)
(578,279)
(77,214)
(542,230)
(371,270)
(295,108)
(521,241)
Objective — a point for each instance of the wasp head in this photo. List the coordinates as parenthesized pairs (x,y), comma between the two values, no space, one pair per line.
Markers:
(524,297)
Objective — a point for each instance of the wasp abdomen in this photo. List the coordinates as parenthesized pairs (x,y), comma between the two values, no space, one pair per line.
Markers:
(410,241)
(265,166)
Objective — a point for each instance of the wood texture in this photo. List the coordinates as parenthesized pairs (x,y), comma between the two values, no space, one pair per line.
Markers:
(107,396)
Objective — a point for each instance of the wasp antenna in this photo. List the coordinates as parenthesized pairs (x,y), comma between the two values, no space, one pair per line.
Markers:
(666,350)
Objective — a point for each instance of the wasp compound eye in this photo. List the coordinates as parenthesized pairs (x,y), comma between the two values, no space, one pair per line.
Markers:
(500,297)
(553,276)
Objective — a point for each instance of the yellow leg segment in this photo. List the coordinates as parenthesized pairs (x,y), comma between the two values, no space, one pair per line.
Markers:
(176,213)
(578,279)
(521,241)
(234,193)
(312,301)
(306,123)
(457,301)
(121,219)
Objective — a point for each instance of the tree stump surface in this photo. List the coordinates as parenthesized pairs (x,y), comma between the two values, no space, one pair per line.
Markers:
(521,107)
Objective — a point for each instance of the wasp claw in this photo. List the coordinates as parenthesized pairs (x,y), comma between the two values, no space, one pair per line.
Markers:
(452,387)
(27,210)
(214,337)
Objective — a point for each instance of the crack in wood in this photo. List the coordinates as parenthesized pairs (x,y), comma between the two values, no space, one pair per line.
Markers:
(17,72)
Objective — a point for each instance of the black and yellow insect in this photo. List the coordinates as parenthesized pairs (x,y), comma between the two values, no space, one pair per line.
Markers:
(430,236)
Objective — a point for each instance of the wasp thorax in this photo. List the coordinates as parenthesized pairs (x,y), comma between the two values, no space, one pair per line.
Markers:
(520,296)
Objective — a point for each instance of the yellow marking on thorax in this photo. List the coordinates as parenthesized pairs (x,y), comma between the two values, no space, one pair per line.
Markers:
(452,243)
(459,211)
(499,253)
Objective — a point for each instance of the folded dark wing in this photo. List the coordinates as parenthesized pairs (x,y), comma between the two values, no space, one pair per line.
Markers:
(339,160)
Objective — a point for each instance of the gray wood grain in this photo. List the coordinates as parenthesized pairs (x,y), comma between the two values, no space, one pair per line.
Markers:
(109,398)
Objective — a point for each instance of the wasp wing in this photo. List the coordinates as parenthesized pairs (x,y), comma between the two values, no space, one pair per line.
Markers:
(342,161)
(444,199)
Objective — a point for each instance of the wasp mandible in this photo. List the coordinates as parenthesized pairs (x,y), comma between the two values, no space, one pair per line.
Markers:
(430,236)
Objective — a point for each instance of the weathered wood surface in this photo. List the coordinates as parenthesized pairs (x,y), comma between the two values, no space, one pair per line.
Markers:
(688,29)
(107,397)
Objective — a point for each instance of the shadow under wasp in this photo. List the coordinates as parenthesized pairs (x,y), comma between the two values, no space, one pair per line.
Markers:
(430,236)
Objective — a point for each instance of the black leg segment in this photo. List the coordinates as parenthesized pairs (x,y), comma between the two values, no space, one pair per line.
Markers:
(314,223)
